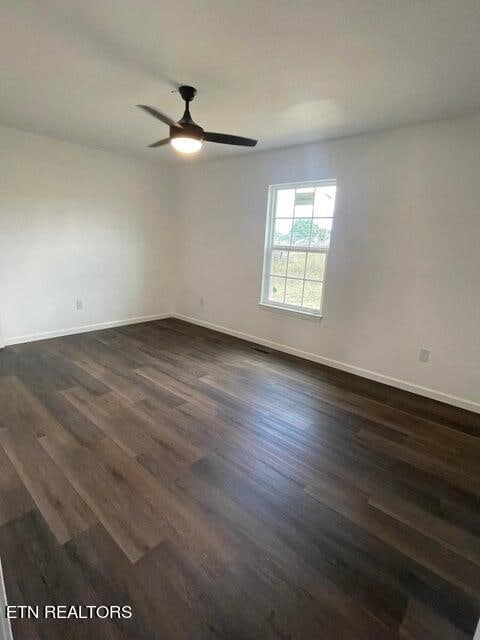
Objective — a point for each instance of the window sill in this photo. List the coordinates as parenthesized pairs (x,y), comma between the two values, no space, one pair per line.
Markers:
(301,313)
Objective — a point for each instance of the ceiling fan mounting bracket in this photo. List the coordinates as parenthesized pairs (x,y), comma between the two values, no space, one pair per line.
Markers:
(187,93)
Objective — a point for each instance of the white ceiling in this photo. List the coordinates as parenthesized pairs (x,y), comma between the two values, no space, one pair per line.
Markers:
(283,71)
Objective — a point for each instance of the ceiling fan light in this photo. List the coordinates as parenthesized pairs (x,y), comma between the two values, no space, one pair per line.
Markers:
(186,145)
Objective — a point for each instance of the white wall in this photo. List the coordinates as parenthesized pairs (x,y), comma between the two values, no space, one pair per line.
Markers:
(133,239)
(404,266)
(76,223)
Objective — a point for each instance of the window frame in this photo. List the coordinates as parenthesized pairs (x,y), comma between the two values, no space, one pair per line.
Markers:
(269,248)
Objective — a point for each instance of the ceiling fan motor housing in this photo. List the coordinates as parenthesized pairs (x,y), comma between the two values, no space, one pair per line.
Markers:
(187,131)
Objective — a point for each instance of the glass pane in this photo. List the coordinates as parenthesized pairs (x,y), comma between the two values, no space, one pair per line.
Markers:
(303,210)
(304,195)
(277,289)
(304,198)
(301,232)
(293,292)
(279,263)
(324,201)
(315,266)
(296,264)
(312,295)
(284,203)
(282,231)
(321,231)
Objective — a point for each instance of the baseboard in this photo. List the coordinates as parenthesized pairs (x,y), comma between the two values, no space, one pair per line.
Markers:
(456,401)
(83,329)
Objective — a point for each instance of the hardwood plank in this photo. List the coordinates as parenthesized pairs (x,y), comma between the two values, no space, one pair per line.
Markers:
(421,550)
(281,520)
(132,426)
(74,421)
(123,385)
(45,381)
(251,397)
(113,417)
(21,410)
(382,414)
(61,506)
(14,498)
(54,373)
(449,536)
(117,489)
(165,463)
(178,388)
(167,428)
(420,623)
(266,545)
(157,611)
(39,572)
(86,345)
(408,453)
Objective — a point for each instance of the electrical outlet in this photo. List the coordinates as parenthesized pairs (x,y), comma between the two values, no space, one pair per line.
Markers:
(424,355)
(79,305)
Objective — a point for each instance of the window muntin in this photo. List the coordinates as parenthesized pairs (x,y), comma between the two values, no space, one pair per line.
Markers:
(299,227)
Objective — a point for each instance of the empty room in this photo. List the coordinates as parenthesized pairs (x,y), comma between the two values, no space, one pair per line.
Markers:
(239,320)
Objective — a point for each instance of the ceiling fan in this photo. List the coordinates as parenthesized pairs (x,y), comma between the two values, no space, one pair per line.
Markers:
(185,135)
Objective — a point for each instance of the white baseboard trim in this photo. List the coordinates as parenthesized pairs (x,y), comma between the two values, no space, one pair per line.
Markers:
(83,329)
(456,401)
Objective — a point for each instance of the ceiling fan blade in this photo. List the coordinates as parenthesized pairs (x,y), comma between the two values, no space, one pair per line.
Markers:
(160,143)
(225,138)
(159,115)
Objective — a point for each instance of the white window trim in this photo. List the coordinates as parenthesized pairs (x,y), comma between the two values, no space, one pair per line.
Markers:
(283,307)
(291,311)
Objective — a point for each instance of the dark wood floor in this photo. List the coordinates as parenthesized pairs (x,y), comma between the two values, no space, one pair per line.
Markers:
(223,491)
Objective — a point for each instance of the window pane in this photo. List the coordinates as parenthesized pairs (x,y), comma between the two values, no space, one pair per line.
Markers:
(303,210)
(284,203)
(296,264)
(315,266)
(321,231)
(324,201)
(300,223)
(301,232)
(293,292)
(304,195)
(282,232)
(312,295)
(276,289)
(279,263)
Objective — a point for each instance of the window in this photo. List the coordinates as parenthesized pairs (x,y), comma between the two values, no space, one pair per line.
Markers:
(299,226)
